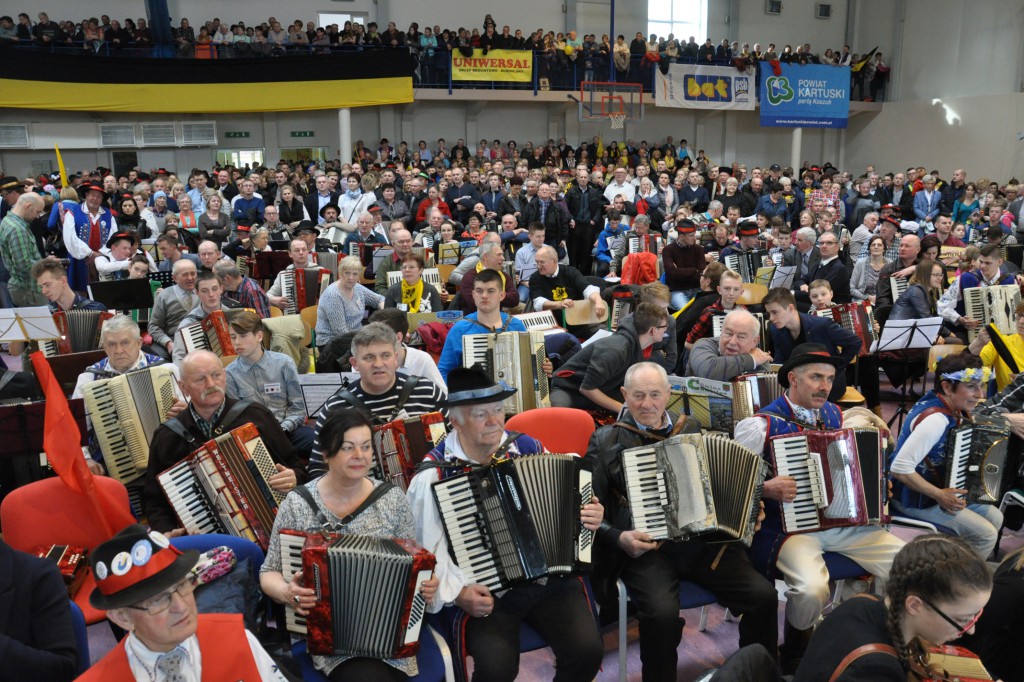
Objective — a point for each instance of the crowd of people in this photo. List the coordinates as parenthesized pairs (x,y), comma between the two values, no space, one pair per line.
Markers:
(551,227)
(564,58)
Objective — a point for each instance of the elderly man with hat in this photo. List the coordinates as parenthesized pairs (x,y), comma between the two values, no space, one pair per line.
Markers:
(489,624)
(683,262)
(87,227)
(115,258)
(331,226)
(807,376)
(146,586)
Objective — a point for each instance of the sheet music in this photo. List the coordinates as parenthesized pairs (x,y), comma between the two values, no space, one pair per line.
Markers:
(317,389)
(784,276)
(598,335)
(27,324)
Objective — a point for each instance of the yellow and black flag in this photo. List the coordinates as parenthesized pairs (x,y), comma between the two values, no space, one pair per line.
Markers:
(74,82)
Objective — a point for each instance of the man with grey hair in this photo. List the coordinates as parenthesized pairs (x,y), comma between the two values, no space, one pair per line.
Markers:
(170,307)
(733,353)
(805,255)
(862,235)
(926,204)
(652,570)
(121,340)
(555,606)
(640,228)
(401,239)
(490,256)
(209,253)
(241,288)
(382,391)
(470,262)
(210,413)
(18,249)
(557,287)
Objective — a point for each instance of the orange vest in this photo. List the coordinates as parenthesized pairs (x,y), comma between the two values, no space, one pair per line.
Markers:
(222,641)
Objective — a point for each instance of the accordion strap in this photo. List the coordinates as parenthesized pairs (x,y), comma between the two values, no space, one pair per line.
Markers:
(676,428)
(1000,345)
(175,425)
(411,382)
(375,494)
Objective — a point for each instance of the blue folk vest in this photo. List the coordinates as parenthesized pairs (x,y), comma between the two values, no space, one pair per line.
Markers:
(933,467)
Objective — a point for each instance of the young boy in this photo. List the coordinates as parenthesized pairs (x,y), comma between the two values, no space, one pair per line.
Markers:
(275,385)
(821,295)
(783,241)
(606,241)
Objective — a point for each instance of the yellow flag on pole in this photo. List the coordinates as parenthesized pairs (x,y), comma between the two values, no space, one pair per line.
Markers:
(60,167)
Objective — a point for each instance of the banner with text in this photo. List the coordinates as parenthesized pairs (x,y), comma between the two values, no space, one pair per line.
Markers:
(693,86)
(497,65)
(805,96)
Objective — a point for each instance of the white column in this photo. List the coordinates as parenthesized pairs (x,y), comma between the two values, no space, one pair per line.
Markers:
(798,137)
(345,134)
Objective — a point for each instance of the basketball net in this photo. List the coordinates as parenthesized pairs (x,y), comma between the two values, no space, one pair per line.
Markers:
(618,121)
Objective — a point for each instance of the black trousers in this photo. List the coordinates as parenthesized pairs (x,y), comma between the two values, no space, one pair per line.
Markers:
(558,611)
(750,664)
(366,670)
(581,245)
(653,583)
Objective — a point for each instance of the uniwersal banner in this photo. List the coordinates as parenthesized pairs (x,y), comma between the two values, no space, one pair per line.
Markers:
(693,86)
(497,65)
(805,96)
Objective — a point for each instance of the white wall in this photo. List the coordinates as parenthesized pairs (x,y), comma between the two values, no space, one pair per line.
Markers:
(795,26)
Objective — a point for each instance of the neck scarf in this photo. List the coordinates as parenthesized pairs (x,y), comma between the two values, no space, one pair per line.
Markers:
(411,295)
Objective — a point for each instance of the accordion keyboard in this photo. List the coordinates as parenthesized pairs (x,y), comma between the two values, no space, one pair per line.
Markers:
(470,546)
(793,459)
(197,516)
(291,563)
(960,457)
(645,485)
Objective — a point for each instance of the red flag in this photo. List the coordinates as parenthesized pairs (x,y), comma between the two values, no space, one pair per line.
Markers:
(61,439)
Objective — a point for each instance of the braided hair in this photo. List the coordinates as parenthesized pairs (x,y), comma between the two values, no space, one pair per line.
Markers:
(936,568)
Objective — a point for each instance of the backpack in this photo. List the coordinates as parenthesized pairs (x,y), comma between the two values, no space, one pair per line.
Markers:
(433,335)
(640,268)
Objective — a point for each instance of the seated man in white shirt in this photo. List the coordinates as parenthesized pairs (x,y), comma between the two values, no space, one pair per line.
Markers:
(526,260)
(410,360)
(115,258)
(146,587)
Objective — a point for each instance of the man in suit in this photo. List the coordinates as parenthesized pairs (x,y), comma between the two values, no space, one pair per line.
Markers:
(790,328)
(323,195)
(899,195)
(804,255)
(926,204)
(830,268)
(36,633)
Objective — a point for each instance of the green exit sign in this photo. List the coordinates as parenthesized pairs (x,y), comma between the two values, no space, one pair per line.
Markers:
(236,134)
(302,133)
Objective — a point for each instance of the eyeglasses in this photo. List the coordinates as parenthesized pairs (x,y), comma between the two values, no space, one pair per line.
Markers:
(960,628)
(162,601)
(662,326)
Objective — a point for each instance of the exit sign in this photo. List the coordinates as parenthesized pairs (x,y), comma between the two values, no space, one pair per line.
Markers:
(302,133)
(236,134)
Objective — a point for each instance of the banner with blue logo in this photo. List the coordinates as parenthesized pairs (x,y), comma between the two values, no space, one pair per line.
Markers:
(693,86)
(805,96)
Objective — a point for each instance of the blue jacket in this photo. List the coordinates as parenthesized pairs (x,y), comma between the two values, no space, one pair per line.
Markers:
(827,333)
(451,354)
(604,254)
(780,209)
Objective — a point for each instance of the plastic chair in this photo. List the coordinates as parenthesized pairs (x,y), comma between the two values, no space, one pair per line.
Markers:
(560,429)
(49,512)
(434,659)
(840,569)
(1012,498)
(81,637)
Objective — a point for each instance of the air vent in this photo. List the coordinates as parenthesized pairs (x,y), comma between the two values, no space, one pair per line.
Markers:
(199,133)
(773,6)
(14,136)
(822,10)
(117,135)
(158,135)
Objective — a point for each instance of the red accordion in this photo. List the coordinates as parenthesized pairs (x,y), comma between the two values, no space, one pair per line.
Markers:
(304,287)
(79,332)
(400,446)
(858,318)
(71,561)
(368,600)
(212,333)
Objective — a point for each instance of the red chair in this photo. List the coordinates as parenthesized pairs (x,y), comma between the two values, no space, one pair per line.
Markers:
(48,512)
(560,429)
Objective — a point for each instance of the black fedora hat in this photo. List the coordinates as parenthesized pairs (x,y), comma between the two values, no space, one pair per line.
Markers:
(306,226)
(9,182)
(337,209)
(807,354)
(135,565)
(120,235)
(472,386)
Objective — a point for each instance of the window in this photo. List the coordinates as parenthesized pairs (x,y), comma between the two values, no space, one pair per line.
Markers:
(293,154)
(325,19)
(240,158)
(681,18)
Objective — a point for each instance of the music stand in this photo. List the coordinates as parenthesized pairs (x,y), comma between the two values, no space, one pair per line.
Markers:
(900,336)
(123,294)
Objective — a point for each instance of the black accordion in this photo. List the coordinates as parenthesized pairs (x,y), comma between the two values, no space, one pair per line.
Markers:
(977,459)
(368,600)
(690,485)
(747,263)
(518,519)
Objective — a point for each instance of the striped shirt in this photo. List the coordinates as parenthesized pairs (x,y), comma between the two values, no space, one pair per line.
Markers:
(426,397)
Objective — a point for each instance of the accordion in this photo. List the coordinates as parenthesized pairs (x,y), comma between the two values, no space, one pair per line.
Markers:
(638,243)
(977,459)
(764,334)
(753,392)
(79,332)
(518,519)
(690,485)
(126,411)
(899,287)
(840,478)
(949,662)
(992,305)
(222,487)
(71,561)
(304,287)
(368,601)
(748,264)
(515,358)
(543,321)
(212,333)
(329,260)
(244,265)
(858,318)
(401,445)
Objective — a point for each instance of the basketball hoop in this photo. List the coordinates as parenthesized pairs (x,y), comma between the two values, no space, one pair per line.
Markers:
(618,120)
